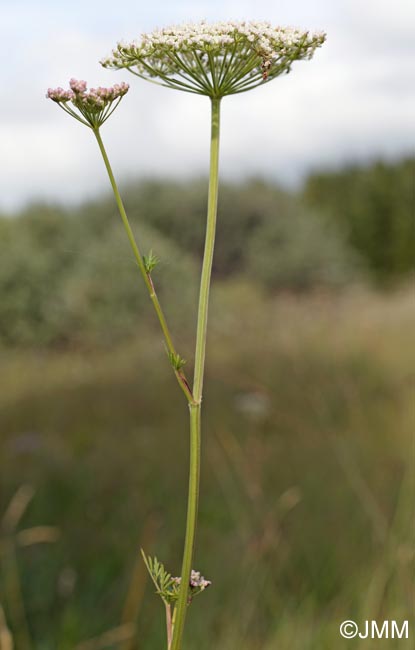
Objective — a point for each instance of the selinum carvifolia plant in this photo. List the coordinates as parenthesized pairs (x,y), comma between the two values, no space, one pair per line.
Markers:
(214,60)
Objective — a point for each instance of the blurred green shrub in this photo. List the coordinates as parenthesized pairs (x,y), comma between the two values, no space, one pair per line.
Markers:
(67,275)
(298,251)
(262,231)
(105,296)
(60,282)
(32,267)
(374,206)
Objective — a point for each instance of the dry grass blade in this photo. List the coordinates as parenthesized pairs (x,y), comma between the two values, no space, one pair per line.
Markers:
(17,507)
(6,640)
(138,582)
(38,535)
(109,639)
(361,488)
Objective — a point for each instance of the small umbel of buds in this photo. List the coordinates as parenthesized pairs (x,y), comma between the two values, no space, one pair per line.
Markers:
(90,107)
(197,583)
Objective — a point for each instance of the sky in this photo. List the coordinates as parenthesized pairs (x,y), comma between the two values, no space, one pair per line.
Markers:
(354,102)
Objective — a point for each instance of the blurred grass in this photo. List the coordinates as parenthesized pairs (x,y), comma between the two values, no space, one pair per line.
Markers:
(307,483)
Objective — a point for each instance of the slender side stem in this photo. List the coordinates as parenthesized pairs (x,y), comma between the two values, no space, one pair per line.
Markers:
(147,277)
(14,595)
(168,624)
(195,408)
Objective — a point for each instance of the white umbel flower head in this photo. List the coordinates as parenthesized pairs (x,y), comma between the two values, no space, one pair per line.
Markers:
(216,59)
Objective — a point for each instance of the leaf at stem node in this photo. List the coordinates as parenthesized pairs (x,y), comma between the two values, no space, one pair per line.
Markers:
(176,360)
(150,261)
(168,587)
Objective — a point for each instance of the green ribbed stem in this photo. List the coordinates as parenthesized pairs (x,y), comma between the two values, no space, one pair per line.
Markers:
(195,408)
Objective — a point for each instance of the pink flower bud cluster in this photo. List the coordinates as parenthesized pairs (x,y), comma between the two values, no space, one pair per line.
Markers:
(102,96)
(78,86)
(93,105)
(78,92)
(60,95)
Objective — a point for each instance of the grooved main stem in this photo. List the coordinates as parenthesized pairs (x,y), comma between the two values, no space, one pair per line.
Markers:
(195,408)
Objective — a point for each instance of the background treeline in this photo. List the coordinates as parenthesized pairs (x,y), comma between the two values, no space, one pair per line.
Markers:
(67,274)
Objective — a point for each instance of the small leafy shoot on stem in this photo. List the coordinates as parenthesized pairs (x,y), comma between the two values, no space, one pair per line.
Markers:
(168,587)
(176,361)
(150,262)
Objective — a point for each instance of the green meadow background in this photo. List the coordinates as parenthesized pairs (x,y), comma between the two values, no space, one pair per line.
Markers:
(307,495)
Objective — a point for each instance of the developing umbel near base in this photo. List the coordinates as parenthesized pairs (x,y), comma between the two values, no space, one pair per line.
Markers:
(214,60)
